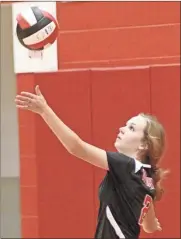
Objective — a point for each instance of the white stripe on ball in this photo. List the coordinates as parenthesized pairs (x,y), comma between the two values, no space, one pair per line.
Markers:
(40,35)
(29,16)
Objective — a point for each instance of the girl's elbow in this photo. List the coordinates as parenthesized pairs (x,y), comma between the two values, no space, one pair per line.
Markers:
(76,147)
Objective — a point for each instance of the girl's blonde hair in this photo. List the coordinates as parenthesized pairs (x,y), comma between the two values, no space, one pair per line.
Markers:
(154,137)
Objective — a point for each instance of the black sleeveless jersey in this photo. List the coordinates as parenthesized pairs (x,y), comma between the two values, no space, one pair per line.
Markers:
(125,195)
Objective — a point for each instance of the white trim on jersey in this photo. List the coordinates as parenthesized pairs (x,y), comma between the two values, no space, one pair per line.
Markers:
(41,35)
(114,224)
(29,16)
(138,165)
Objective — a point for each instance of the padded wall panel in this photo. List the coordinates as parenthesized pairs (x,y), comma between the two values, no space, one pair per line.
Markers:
(66,204)
(125,34)
(115,14)
(28,165)
(126,44)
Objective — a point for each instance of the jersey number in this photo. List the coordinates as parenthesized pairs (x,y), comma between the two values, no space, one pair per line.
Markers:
(144,210)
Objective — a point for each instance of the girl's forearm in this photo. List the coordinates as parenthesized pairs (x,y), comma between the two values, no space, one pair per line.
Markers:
(67,137)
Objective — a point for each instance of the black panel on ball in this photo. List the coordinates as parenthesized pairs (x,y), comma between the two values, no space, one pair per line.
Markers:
(37,12)
(35,28)
(18,32)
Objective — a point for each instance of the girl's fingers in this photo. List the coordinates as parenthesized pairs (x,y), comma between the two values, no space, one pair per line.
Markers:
(29,95)
(37,90)
(23,98)
(20,102)
(25,107)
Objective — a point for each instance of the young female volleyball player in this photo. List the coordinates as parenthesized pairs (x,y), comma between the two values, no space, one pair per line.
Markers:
(132,182)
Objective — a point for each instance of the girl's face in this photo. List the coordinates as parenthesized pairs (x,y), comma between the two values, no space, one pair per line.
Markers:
(129,140)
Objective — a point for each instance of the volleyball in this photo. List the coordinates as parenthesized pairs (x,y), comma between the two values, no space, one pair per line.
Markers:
(36,29)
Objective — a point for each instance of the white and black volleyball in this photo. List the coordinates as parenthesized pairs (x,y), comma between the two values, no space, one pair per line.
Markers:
(36,29)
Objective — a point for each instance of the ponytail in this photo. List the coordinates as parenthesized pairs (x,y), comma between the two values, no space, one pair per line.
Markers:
(154,137)
(157,174)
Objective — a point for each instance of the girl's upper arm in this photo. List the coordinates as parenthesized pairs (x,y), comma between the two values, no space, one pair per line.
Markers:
(117,164)
(91,154)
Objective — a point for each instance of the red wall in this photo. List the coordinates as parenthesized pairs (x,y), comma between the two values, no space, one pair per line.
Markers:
(58,191)
(95,34)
